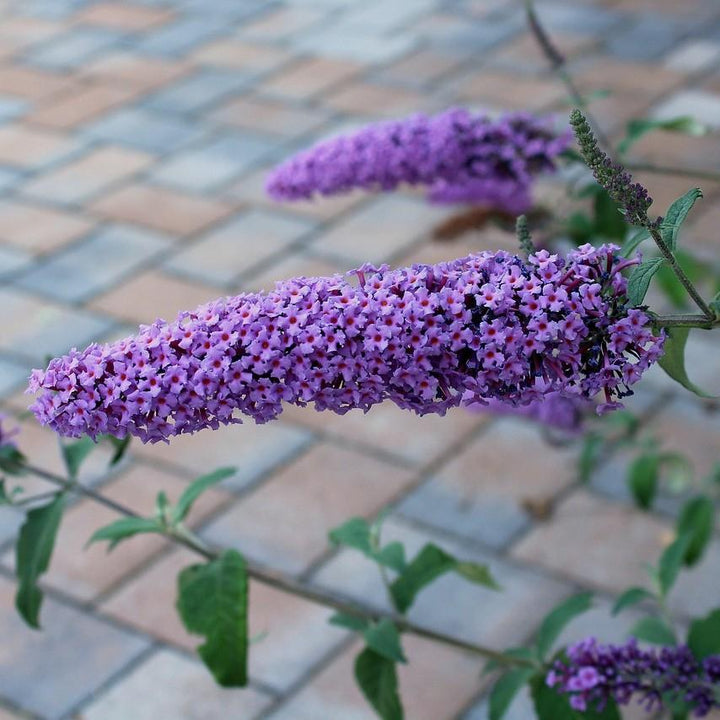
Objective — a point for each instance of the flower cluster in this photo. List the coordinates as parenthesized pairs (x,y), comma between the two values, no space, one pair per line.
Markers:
(487,327)
(462,158)
(592,674)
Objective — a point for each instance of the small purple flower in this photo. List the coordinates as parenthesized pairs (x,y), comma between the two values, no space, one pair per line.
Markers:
(592,674)
(427,337)
(461,157)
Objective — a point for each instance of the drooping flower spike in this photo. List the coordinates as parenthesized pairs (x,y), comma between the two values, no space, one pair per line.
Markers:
(429,337)
(461,157)
(592,674)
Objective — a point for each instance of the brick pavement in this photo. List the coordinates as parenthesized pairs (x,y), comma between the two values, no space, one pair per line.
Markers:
(134,137)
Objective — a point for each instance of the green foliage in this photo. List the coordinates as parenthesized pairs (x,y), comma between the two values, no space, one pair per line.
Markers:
(556,620)
(704,636)
(676,215)
(7,497)
(125,528)
(696,520)
(609,221)
(357,533)
(653,630)
(12,461)
(196,488)
(377,678)
(428,565)
(637,128)
(213,602)
(631,597)
(633,242)
(523,235)
(551,705)
(75,453)
(639,280)
(349,622)
(120,446)
(671,561)
(590,454)
(672,360)
(32,556)
(383,637)
(505,690)
(643,476)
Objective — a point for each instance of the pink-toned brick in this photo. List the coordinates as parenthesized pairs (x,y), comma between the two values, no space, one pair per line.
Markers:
(508,91)
(310,77)
(369,98)
(31,84)
(125,16)
(169,211)
(142,73)
(25,147)
(238,55)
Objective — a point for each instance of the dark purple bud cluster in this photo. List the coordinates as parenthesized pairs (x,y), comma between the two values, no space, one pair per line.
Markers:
(461,157)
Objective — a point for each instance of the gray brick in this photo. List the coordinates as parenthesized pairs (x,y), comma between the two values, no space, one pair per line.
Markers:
(701,105)
(13,260)
(9,178)
(223,254)
(354,44)
(145,130)
(648,36)
(11,107)
(73,49)
(12,375)
(215,164)
(74,654)
(578,18)
(10,521)
(183,35)
(90,266)
(196,92)
(506,617)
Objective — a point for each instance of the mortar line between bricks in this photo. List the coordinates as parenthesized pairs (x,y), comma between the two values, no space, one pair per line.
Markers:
(7,704)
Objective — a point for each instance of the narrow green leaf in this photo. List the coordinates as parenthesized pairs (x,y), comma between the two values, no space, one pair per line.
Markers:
(476,573)
(639,280)
(123,529)
(75,453)
(643,475)
(392,556)
(429,564)
(633,242)
(383,637)
(32,556)
(349,622)
(676,215)
(671,561)
(672,361)
(589,457)
(653,630)
(704,636)
(631,597)
(639,127)
(120,445)
(213,602)
(377,679)
(196,488)
(552,705)
(696,519)
(505,690)
(354,533)
(556,620)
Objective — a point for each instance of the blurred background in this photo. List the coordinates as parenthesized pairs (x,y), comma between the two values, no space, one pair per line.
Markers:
(134,142)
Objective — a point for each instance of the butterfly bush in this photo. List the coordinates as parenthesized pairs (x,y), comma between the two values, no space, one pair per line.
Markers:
(488,327)
(592,674)
(462,157)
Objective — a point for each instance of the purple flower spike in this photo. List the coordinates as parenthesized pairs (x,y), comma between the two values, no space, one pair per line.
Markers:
(592,674)
(461,157)
(487,327)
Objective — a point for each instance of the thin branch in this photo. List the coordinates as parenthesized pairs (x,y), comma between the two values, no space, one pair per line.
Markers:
(280,581)
(558,65)
(693,321)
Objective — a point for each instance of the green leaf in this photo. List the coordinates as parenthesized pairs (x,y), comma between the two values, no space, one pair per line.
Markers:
(32,556)
(609,222)
(7,497)
(75,453)
(639,280)
(392,556)
(354,533)
(589,457)
(505,690)
(637,128)
(121,446)
(196,488)
(704,636)
(476,573)
(696,519)
(123,529)
(653,630)
(631,597)
(643,476)
(671,561)
(213,602)
(428,565)
(556,620)
(672,361)
(12,461)
(377,679)
(552,705)
(383,637)
(633,242)
(349,622)
(676,215)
